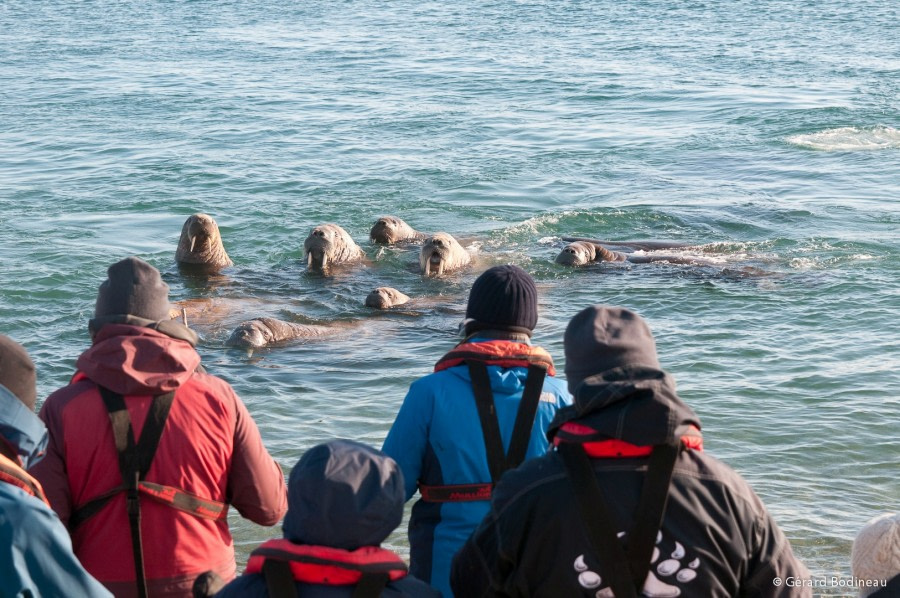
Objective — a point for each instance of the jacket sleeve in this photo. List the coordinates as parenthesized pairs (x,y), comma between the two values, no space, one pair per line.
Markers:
(256,485)
(771,558)
(408,436)
(50,471)
(42,557)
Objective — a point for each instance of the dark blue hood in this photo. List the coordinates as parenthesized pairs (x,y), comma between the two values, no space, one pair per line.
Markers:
(344,494)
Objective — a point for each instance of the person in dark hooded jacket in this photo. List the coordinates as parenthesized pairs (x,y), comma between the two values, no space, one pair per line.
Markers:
(141,380)
(344,499)
(627,504)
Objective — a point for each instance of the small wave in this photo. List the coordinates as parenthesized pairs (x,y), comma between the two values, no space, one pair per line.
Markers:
(849,139)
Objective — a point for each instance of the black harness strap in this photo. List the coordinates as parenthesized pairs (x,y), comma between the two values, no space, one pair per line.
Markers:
(625,571)
(371,585)
(135,460)
(279,579)
(498,461)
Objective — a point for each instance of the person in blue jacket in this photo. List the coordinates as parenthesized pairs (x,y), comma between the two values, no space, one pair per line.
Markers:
(483,411)
(344,499)
(36,557)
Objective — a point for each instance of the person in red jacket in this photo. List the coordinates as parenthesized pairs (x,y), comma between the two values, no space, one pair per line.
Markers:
(147,450)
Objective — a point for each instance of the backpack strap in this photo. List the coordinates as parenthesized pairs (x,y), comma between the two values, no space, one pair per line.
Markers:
(371,585)
(135,460)
(279,579)
(624,569)
(498,460)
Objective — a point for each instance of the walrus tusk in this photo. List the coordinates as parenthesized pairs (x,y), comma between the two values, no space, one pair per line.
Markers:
(440,268)
(428,267)
(193,240)
(184,316)
(309,260)
(324,259)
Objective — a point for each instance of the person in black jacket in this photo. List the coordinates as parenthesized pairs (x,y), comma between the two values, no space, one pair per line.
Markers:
(344,499)
(627,504)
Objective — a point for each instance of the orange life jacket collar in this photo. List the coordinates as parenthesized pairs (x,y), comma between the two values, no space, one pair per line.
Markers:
(503,353)
(12,473)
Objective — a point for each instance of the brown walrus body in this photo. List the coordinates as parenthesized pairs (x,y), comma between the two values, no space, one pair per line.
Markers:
(201,245)
(440,254)
(260,332)
(389,230)
(581,252)
(385,297)
(329,244)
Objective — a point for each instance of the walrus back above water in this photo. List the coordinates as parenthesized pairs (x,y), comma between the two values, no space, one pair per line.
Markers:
(388,230)
(260,332)
(329,244)
(581,252)
(201,245)
(442,253)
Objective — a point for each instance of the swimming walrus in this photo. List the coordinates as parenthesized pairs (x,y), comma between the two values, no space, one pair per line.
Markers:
(385,297)
(581,252)
(390,229)
(201,245)
(442,253)
(329,244)
(259,332)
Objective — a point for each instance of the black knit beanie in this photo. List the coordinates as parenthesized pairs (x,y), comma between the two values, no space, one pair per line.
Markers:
(133,287)
(504,298)
(601,338)
(17,372)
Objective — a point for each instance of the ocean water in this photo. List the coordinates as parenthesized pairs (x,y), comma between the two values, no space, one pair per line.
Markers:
(768,133)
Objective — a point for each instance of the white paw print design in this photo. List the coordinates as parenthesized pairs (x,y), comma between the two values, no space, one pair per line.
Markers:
(654,587)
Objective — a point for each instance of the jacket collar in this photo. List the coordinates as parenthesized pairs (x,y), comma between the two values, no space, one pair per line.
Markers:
(21,429)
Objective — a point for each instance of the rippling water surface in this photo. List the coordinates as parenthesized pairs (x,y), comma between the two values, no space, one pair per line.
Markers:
(767,132)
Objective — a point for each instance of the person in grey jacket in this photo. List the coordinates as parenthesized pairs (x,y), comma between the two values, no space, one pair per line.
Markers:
(628,503)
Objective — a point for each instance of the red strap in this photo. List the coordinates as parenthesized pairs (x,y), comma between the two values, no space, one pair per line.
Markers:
(327,565)
(612,447)
(176,498)
(456,492)
(205,508)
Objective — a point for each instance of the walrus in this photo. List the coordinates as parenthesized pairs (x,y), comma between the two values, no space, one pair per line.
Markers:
(579,253)
(201,245)
(329,244)
(442,253)
(385,297)
(259,332)
(389,230)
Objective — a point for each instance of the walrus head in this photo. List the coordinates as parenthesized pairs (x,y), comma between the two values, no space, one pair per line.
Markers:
(390,229)
(201,244)
(251,335)
(578,253)
(385,297)
(329,244)
(441,253)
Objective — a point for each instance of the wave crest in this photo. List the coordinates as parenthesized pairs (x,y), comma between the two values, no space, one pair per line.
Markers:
(849,139)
